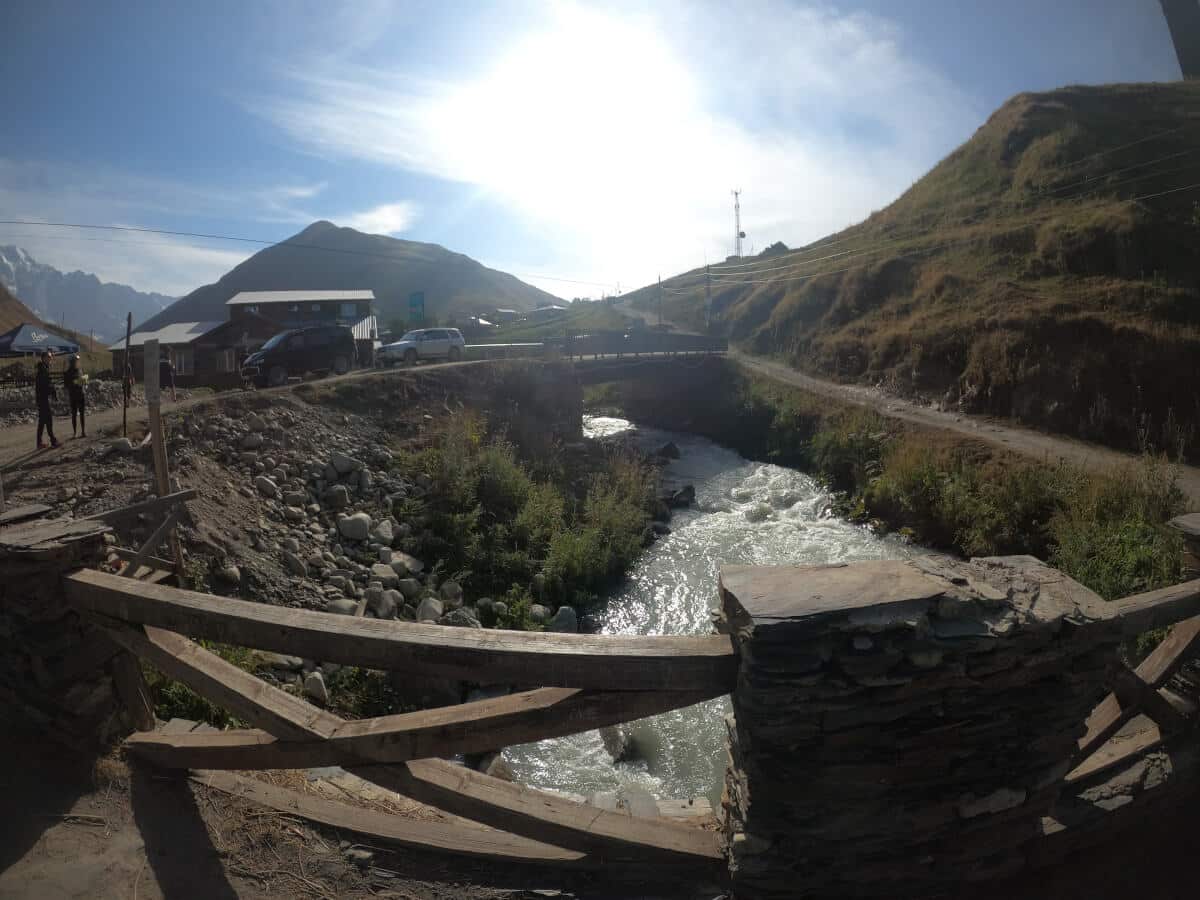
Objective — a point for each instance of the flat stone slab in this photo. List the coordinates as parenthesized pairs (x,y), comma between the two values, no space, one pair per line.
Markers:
(881,595)
(1188,524)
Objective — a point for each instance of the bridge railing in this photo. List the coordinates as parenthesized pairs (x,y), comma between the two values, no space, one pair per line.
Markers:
(586,682)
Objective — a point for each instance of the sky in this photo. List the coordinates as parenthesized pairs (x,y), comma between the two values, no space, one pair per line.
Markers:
(585,147)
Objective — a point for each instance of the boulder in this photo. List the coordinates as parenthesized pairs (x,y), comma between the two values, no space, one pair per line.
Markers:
(429,609)
(661,529)
(364,481)
(410,588)
(342,606)
(121,445)
(499,609)
(668,451)
(385,574)
(539,614)
(385,555)
(295,498)
(314,687)
(405,564)
(336,496)
(685,496)
(564,621)
(294,564)
(251,441)
(383,532)
(266,487)
(461,618)
(255,422)
(452,594)
(294,514)
(343,464)
(356,527)
(389,604)
(619,743)
(230,574)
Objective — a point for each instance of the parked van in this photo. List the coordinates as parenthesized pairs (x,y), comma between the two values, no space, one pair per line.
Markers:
(424,343)
(314,348)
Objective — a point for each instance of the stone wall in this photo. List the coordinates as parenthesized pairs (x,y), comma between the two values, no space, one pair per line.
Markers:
(901,728)
(55,669)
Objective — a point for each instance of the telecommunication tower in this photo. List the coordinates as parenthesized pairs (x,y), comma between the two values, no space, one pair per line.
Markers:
(738,234)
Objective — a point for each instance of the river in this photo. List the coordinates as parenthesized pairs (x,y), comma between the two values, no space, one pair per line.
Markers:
(745,512)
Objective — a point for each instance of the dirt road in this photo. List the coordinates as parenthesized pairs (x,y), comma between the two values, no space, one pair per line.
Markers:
(1028,442)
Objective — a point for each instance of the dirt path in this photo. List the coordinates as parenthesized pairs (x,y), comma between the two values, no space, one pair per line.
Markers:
(1002,434)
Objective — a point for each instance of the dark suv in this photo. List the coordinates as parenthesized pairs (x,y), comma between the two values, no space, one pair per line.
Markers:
(315,348)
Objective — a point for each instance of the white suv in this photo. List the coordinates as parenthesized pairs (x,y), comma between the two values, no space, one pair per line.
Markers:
(424,343)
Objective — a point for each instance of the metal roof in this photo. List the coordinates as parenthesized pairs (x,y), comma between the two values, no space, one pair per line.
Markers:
(175,333)
(247,297)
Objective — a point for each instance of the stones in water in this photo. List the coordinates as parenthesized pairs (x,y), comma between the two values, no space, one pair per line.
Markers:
(669,450)
(565,621)
(619,743)
(683,497)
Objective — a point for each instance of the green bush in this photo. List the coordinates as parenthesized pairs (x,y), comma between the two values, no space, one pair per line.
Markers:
(175,700)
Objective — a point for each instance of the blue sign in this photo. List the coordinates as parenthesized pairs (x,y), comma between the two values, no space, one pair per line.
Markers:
(416,306)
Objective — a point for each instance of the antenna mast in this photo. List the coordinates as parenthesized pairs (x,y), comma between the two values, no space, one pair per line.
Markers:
(738,234)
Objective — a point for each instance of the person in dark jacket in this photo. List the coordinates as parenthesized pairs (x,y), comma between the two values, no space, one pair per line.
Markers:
(73,382)
(43,391)
(166,375)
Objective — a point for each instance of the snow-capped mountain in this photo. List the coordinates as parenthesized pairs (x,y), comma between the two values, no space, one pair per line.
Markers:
(79,300)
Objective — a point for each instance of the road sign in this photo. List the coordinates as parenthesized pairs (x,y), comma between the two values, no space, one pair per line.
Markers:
(416,307)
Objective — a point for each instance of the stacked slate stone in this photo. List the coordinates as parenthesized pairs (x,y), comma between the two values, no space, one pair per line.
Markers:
(900,728)
(53,666)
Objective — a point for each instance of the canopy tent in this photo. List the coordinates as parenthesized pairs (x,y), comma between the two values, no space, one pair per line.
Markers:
(26,338)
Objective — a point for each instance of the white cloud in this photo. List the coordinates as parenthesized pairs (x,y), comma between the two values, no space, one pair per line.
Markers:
(389,218)
(619,133)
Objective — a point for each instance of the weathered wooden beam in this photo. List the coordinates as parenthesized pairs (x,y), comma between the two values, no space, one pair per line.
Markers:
(157,562)
(1134,693)
(157,537)
(446,731)
(1117,752)
(1156,609)
(543,816)
(154,505)
(22,513)
(1155,670)
(703,664)
(223,683)
(454,835)
(133,691)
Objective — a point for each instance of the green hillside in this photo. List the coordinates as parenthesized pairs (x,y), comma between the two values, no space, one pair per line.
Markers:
(326,257)
(1048,270)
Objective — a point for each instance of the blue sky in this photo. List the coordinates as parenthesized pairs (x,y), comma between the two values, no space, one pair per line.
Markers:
(590,141)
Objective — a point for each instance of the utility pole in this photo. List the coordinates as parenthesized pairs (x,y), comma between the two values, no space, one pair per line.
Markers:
(738,234)
(707,298)
(660,301)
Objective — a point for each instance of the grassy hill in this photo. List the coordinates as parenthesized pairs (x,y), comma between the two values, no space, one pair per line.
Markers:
(1047,270)
(13,312)
(581,318)
(326,257)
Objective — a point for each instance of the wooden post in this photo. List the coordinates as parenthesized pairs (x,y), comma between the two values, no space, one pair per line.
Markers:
(127,368)
(158,444)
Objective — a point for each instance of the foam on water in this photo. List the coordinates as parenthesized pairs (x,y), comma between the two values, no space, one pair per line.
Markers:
(745,512)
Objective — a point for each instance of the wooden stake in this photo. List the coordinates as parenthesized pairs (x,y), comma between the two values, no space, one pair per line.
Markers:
(158,444)
(128,368)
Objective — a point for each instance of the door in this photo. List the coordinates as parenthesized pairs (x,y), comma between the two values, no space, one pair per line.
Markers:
(294,357)
(436,343)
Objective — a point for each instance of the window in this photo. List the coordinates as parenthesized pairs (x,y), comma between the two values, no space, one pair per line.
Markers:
(184,362)
(253,308)
(296,342)
(227,360)
(316,307)
(293,307)
(319,338)
(348,311)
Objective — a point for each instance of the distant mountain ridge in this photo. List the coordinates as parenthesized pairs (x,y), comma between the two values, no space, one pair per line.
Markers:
(326,257)
(78,299)
(13,312)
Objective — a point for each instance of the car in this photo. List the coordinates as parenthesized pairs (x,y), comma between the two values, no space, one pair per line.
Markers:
(313,348)
(424,343)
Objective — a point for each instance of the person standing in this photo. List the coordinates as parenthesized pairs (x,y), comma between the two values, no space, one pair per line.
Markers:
(73,382)
(166,374)
(43,391)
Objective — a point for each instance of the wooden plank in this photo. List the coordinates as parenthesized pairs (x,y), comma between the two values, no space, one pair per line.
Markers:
(1168,656)
(146,507)
(133,691)
(1119,750)
(224,684)
(1157,609)
(1155,670)
(703,664)
(160,534)
(46,537)
(1134,693)
(21,513)
(545,817)
(151,561)
(466,728)
(454,835)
